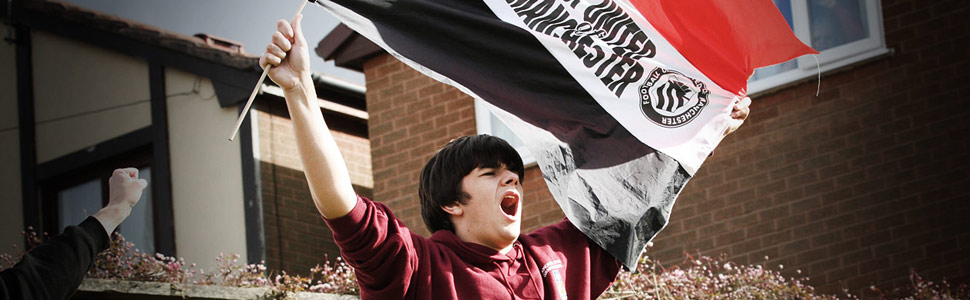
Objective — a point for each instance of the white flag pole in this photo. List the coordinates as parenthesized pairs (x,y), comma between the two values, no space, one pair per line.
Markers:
(259,83)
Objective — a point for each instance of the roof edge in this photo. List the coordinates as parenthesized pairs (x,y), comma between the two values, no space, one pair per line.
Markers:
(347,48)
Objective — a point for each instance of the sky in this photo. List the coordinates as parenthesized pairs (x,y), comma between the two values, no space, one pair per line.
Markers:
(251,22)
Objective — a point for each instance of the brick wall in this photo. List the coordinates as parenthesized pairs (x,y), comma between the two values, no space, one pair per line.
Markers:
(296,236)
(853,187)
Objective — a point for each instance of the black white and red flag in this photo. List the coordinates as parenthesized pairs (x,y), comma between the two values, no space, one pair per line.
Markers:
(620,101)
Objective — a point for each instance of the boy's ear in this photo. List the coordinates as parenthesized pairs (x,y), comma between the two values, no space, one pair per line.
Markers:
(453,209)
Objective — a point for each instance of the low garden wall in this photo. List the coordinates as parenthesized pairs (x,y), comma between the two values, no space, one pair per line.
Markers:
(104,289)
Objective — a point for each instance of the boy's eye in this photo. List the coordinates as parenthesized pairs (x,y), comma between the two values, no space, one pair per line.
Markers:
(489,173)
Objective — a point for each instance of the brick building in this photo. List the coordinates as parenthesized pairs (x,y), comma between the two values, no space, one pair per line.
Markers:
(853,187)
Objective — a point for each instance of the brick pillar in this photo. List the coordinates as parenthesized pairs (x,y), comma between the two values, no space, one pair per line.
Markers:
(297,238)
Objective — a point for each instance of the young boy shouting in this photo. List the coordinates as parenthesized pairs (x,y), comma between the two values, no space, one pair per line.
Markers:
(471,199)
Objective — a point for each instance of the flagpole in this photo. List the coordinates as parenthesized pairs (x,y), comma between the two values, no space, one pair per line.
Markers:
(259,83)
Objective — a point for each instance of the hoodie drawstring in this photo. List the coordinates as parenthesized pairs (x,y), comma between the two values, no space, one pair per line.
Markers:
(531,273)
(505,280)
(519,257)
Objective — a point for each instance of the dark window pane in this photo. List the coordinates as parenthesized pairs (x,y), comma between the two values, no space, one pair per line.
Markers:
(837,22)
(76,203)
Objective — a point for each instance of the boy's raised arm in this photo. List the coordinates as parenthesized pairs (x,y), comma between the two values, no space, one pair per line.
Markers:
(323,165)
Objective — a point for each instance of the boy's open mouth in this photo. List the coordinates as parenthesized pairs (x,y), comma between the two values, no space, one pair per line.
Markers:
(510,204)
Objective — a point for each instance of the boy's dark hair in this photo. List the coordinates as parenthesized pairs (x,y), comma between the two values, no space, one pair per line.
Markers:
(440,183)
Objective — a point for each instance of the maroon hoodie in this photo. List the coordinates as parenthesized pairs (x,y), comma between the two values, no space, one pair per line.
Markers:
(391,262)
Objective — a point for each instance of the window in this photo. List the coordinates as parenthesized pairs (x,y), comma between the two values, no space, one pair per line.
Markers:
(71,198)
(489,124)
(844,31)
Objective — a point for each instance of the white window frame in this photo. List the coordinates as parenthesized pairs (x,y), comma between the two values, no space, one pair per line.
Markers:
(829,59)
(483,122)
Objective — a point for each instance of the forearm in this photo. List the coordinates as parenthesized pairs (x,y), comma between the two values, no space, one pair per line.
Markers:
(325,170)
(112,216)
(54,269)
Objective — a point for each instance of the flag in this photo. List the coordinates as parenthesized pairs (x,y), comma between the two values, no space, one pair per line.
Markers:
(618,112)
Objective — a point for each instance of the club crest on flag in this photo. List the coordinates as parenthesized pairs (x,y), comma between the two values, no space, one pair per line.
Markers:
(612,53)
(671,99)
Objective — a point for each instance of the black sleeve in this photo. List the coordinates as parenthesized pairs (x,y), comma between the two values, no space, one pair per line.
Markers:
(55,269)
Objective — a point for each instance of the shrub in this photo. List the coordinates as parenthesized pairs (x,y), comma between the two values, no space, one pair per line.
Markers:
(122,261)
(700,278)
(708,278)
(921,289)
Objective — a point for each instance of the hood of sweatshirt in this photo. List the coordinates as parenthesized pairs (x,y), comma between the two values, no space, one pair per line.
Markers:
(475,254)
(512,268)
